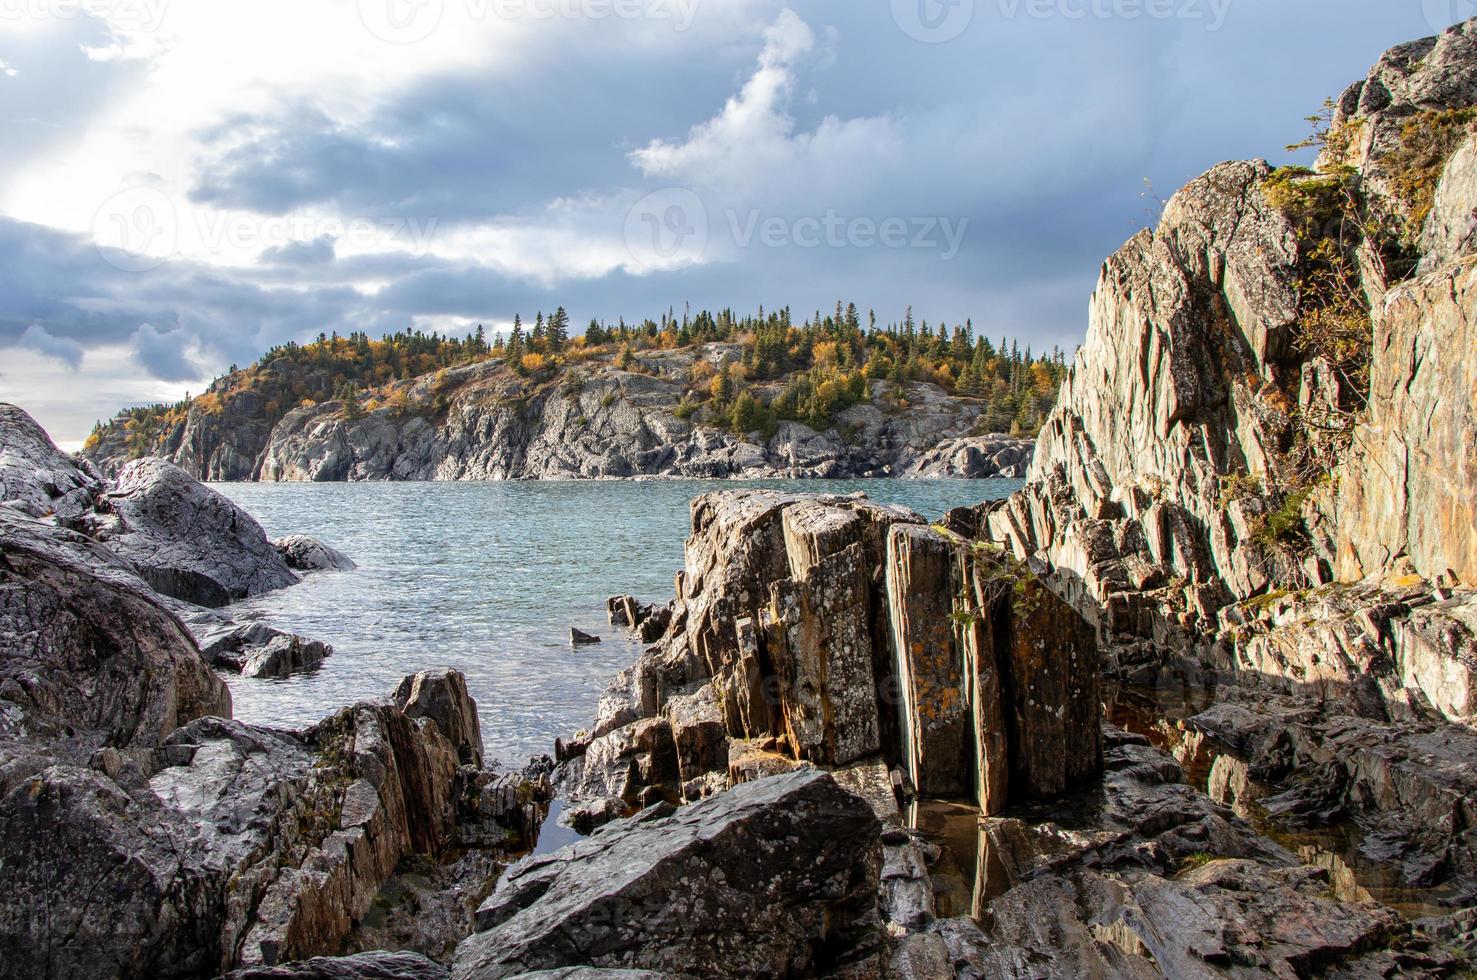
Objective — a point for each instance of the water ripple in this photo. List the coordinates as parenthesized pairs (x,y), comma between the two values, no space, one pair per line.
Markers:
(488,578)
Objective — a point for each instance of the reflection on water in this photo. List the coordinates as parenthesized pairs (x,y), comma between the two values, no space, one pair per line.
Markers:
(488,578)
(954,828)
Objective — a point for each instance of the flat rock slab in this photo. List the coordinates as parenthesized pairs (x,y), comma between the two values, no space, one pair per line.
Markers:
(758,881)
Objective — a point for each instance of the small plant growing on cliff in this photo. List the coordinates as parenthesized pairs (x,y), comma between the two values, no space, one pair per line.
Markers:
(1335,140)
(1239,486)
(1284,527)
(1415,166)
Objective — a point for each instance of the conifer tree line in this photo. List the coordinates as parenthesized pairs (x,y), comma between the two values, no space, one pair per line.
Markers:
(809,370)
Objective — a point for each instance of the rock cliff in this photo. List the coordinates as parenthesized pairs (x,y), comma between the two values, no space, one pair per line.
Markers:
(592,420)
(1209,449)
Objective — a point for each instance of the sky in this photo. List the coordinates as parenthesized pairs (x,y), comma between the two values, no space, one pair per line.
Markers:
(188,182)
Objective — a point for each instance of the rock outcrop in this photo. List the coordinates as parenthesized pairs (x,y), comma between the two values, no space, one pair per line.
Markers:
(595,421)
(307,554)
(145,834)
(1171,487)
(89,660)
(36,478)
(188,541)
(833,630)
(770,879)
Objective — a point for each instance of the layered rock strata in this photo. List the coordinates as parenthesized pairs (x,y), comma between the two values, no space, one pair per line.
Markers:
(832,630)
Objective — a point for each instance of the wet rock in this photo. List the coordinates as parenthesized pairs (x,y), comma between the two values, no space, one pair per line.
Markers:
(188,541)
(442,697)
(578,638)
(360,966)
(283,656)
(763,879)
(258,650)
(307,554)
(920,570)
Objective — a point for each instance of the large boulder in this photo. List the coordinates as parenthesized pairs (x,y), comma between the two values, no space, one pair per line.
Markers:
(188,541)
(36,478)
(764,880)
(88,656)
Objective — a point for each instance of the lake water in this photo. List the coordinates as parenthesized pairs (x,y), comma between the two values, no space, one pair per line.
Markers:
(488,578)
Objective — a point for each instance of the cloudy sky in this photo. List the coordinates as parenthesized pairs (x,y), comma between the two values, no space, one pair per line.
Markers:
(186,182)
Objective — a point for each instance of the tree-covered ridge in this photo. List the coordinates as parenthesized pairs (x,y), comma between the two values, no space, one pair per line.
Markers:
(779,370)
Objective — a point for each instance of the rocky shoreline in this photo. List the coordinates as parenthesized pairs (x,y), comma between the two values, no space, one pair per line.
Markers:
(597,422)
(859,745)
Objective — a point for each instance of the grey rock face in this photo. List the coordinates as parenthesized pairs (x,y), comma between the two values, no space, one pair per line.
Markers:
(86,653)
(442,697)
(757,881)
(226,845)
(187,540)
(36,477)
(599,422)
(360,966)
(307,554)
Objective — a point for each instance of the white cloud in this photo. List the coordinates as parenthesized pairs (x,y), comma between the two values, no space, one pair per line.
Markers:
(752,145)
(8,71)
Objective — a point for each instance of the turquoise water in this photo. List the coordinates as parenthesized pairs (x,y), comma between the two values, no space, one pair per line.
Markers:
(488,578)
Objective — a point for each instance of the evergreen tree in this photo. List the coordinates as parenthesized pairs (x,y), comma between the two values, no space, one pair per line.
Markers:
(516,340)
(557,333)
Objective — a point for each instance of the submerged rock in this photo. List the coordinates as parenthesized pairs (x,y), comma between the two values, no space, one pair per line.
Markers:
(258,650)
(579,638)
(766,879)
(188,541)
(307,554)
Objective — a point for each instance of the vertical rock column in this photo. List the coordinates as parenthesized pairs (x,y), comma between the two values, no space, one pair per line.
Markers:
(998,676)
(1032,671)
(818,634)
(933,714)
